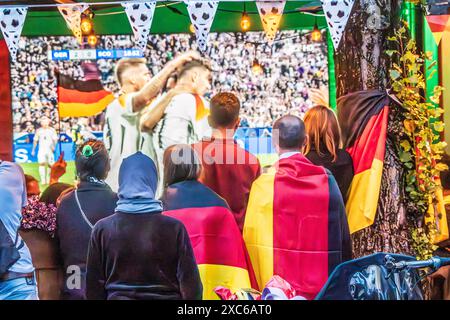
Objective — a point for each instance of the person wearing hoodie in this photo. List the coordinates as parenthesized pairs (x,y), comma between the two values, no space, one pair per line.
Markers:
(138,253)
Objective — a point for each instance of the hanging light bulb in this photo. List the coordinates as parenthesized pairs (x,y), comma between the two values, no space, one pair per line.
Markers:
(86,25)
(191,28)
(245,22)
(92,40)
(316,35)
(257,68)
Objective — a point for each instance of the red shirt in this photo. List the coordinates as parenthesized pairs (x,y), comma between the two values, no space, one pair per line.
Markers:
(229,170)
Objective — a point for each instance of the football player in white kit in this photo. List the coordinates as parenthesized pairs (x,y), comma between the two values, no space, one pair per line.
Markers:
(122,135)
(46,137)
(183,111)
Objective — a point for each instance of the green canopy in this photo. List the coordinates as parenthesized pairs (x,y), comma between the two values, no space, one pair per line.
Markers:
(170,17)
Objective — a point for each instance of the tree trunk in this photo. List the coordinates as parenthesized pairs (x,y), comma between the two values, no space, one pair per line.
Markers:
(361,65)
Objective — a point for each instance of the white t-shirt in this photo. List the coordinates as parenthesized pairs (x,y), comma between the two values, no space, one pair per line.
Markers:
(121,135)
(185,121)
(47,139)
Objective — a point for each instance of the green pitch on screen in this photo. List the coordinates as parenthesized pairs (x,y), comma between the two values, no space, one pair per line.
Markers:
(33,168)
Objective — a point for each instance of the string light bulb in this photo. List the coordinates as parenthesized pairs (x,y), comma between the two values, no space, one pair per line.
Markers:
(245,22)
(92,40)
(86,25)
(257,68)
(316,35)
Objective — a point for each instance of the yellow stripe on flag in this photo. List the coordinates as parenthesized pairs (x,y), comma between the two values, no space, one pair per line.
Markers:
(84,109)
(258,228)
(363,197)
(438,216)
(213,275)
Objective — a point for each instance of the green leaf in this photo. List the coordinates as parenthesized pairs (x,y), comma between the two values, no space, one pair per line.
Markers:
(438,126)
(406,145)
(391,52)
(394,74)
(405,156)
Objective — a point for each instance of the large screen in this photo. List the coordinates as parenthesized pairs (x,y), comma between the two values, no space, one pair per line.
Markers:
(291,65)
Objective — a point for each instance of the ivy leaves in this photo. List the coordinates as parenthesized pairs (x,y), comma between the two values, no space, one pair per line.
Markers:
(420,150)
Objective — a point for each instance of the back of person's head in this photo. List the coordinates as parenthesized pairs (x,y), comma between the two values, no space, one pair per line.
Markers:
(92,160)
(53,192)
(289,133)
(224,111)
(138,177)
(32,185)
(124,65)
(194,65)
(324,133)
(181,163)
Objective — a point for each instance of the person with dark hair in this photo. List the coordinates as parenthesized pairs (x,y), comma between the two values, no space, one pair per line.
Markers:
(296,226)
(138,253)
(79,210)
(216,239)
(324,146)
(51,194)
(228,169)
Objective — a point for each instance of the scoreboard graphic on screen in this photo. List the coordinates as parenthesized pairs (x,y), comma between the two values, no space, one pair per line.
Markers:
(94,54)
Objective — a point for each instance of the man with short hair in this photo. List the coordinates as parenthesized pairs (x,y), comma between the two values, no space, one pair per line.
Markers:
(296,226)
(185,114)
(122,135)
(185,119)
(17,281)
(228,169)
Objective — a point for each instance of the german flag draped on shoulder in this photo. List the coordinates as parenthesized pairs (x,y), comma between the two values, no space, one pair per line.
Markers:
(81,98)
(217,242)
(295,225)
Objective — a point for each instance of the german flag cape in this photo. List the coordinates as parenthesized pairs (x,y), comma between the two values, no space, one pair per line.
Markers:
(363,117)
(217,242)
(295,225)
(78,98)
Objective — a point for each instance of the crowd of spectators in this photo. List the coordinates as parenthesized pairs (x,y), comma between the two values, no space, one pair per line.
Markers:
(291,66)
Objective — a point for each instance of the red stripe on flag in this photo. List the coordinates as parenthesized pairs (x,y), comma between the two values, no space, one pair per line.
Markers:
(437,23)
(300,223)
(214,235)
(372,142)
(75,96)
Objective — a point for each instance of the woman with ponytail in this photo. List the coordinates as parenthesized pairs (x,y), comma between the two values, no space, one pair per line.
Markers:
(324,146)
(79,210)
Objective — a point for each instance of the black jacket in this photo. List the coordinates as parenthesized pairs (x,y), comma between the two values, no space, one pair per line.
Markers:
(141,256)
(342,168)
(73,232)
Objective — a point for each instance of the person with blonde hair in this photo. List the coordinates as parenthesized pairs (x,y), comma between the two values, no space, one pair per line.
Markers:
(324,146)
(121,134)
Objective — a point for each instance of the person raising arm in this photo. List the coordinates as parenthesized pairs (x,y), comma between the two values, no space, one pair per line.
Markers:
(152,88)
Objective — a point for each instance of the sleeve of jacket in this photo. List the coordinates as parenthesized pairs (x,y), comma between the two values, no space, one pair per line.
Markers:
(187,271)
(95,277)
